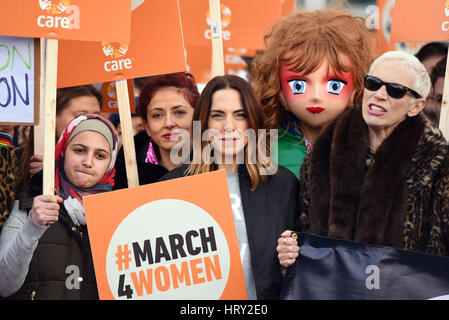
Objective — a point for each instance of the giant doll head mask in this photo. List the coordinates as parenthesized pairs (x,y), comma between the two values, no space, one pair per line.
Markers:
(312,67)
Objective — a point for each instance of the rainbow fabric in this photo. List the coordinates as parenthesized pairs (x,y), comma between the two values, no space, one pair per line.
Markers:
(5,140)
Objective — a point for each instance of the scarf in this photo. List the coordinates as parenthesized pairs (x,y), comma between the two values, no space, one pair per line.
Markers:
(71,194)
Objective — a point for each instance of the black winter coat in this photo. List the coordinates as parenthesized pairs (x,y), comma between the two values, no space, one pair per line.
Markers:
(148,172)
(269,210)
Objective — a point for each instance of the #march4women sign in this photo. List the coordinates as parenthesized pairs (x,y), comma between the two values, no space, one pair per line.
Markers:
(169,240)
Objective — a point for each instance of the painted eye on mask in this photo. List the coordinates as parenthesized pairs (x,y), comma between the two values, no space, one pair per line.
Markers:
(298,86)
(335,86)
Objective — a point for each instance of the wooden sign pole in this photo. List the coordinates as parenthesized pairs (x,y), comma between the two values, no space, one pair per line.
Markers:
(51,70)
(39,129)
(444,113)
(217,68)
(127,133)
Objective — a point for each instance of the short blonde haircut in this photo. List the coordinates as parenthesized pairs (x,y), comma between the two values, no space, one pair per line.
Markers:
(411,64)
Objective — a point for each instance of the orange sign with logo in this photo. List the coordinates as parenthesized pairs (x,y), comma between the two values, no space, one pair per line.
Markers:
(243,22)
(417,20)
(288,7)
(169,240)
(67,19)
(156,47)
(243,26)
(109,93)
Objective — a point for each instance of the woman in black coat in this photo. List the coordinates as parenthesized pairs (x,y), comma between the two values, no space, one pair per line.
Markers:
(230,117)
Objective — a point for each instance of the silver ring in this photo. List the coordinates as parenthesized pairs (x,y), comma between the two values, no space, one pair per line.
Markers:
(284,239)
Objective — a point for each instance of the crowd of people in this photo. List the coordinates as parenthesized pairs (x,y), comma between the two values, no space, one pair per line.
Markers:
(360,156)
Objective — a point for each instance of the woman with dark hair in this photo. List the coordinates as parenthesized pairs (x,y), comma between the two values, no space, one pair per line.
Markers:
(166,105)
(264,200)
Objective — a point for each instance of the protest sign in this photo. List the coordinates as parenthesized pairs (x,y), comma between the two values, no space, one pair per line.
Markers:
(156,47)
(287,7)
(19,80)
(62,19)
(329,269)
(66,19)
(415,20)
(243,25)
(109,92)
(169,240)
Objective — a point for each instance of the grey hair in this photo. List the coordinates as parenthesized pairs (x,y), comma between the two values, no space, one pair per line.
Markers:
(413,65)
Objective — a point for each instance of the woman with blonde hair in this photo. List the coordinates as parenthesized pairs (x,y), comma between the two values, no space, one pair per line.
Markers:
(264,202)
(311,69)
(379,174)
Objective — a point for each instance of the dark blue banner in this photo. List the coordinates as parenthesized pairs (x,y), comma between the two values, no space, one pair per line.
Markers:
(337,269)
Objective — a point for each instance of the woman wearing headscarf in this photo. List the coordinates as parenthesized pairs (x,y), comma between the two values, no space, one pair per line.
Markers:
(44,245)
(380,173)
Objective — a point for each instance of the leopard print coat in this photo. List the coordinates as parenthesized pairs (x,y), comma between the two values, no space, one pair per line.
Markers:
(8,178)
(399,199)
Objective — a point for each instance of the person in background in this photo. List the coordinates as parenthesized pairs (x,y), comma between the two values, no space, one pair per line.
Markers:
(433,105)
(46,233)
(165,105)
(230,112)
(380,173)
(430,54)
(136,121)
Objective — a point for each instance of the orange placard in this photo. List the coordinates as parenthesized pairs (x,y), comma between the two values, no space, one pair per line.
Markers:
(109,93)
(67,19)
(156,47)
(169,240)
(243,26)
(383,18)
(243,22)
(288,7)
(417,20)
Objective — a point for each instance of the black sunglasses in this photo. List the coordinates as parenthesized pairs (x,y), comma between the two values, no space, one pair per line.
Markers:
(394,90)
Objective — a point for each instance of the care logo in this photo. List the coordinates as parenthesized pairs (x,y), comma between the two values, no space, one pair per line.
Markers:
(183,255)
(58,14)
(226,17)
(116,52)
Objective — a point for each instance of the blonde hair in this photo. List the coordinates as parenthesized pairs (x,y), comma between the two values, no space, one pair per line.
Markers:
(304,39)
(410,64)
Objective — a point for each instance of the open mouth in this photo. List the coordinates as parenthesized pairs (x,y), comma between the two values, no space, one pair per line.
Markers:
(376,109)
(315,110)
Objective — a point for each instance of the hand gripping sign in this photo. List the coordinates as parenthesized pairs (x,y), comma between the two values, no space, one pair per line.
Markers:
(169,240)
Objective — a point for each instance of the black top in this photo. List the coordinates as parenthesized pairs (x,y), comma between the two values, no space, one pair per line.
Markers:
(148,172)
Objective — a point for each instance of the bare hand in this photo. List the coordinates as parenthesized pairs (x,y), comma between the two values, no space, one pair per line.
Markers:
(45,209)
(288,249)
(36,164)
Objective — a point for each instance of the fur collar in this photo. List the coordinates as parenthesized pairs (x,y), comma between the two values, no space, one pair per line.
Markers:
(347,200)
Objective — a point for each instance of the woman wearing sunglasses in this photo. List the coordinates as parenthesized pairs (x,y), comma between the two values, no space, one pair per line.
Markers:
(380,173)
